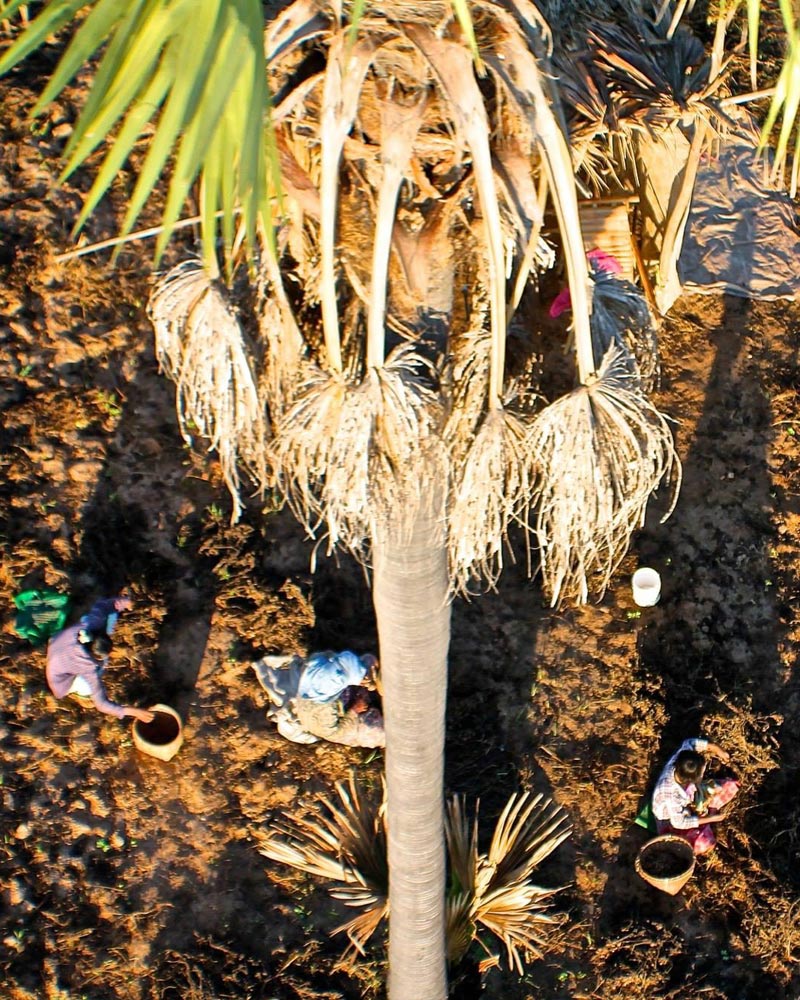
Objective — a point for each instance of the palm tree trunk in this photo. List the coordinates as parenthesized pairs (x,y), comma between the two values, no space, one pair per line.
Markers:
(410,592)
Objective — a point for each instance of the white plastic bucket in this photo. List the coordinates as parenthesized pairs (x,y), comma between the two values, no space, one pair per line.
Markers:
(646,585)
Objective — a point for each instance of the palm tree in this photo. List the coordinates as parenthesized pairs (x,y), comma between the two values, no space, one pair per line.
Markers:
(401,180)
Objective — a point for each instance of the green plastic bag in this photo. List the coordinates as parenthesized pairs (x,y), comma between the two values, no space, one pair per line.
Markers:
(40,614)
(645,817)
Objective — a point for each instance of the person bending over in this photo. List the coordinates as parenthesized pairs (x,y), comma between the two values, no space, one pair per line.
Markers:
(687,803)
(78,655)
(336,699)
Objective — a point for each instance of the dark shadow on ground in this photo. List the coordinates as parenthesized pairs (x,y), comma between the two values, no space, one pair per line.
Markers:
(712,642)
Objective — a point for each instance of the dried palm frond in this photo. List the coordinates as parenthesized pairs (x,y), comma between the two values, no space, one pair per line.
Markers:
(346,68)
(280,332)
(498,486)
(654,80)
(626,77)
(349,454)
(200,344)
(502,898)
(399,127)
(344,840)
(606,448)
(621,316)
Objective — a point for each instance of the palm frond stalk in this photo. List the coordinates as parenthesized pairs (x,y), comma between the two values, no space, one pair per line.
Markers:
(343,839)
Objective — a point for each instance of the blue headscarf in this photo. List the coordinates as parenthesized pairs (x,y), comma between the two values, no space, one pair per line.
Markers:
(326,675)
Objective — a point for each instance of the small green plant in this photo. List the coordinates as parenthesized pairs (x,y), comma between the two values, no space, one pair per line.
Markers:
(103,844)
(215,512)
(109,403)
(633,614)
(25,371)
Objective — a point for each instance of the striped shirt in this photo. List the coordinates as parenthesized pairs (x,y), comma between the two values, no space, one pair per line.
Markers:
(67,658)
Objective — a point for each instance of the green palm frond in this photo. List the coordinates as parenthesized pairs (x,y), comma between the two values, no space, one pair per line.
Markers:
(194,73)
(786,102)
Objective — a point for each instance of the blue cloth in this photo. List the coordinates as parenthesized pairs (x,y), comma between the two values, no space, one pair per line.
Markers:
(326,675)
(102,617)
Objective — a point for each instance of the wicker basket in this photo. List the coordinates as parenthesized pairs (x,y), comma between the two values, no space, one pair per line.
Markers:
(163,736)
(666,848)
(605,223)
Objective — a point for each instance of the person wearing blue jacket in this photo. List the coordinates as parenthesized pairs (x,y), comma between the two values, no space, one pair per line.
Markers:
(336,699)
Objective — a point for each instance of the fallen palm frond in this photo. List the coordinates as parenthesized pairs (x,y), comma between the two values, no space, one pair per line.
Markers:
(349,454)
(201,346)
(606,448)
(344,840)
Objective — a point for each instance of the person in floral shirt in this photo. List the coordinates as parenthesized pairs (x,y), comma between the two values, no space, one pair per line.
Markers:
(685,802)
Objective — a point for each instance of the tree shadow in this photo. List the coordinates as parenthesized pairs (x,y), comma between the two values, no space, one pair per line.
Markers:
(712,643)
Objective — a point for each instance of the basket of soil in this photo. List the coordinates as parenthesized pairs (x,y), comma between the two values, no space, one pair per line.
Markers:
(666,862)
(163,736)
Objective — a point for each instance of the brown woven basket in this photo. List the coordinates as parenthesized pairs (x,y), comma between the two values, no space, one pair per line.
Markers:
(666,862)
(606,224)
(163,736)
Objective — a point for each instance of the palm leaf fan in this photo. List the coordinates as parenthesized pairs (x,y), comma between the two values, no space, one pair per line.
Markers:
(201,346)
(343,839)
